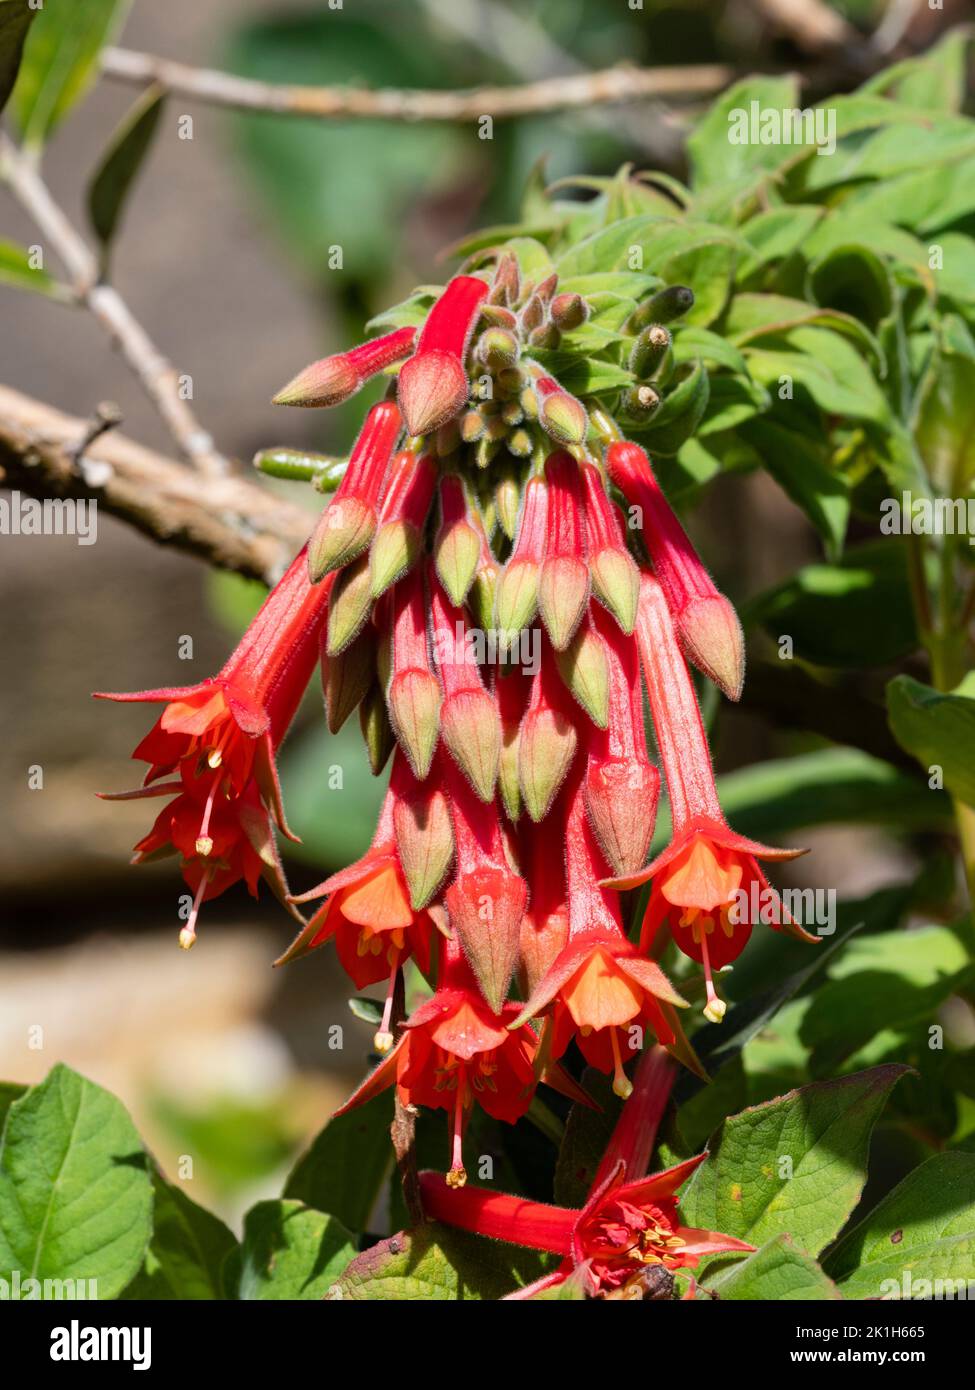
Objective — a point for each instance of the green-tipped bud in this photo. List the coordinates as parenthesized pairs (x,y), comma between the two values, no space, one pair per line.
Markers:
(512,413)
(546,747)
(498,316)
(584,668)
(616,583)
(349,607)
(520,444)
(457,551)
(510,381)
(663,307)
(425,843)
(393,552)
(507,498)
(649,351)
(346,679)
(344,530)
(432,389)
(472,732)
(639,402)
(506,288)
(472,427)
(497,348)
(563,418)
(376,729)
(324,383)
(533,314)
(482,592)
(569,311)
(324,471)
(563,592)
(711,636)
(508,784)
(489,938)
(516,598)
(415,699)
(485,452)
(529,403)
(546,335)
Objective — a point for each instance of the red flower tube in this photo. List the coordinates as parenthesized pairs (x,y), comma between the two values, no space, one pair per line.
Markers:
(433,385)
(334,379)
(347,525)
(699,879)
(709,629)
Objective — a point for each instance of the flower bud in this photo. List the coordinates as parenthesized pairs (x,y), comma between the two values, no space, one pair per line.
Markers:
(335,379)
(649,351)
(665,306)
(569,311)
(424,834)
(433,384)
(457,546)
(583,668)
(563,584)
(349,608)
(346,678)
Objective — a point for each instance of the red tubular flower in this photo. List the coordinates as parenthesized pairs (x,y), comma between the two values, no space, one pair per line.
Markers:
(516,597)
(699,880)
(622,785)
(708,625)
(406,502)
(455,1050)
(347,525)
(629,1222)
(545,925)
(334,379)
(368,913)
(615,577)
(563,583)
(511,691)
(598,986)
(486,900)
(414,696)
(221,737)
(469,718)
(433,385)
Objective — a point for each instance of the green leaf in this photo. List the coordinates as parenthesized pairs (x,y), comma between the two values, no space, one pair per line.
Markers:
(938,730)
(290,1251)
(680,412)
(15,19)
(583,376)
(795,1165)
(799,465)
(113,179)
(935,81)
(75,1193)
(754,317)
(345,1166)
(440,1264)
(774,235)
(714,159)
(777,1273)
(923,1229)
(856,612)
(16,270)
(944,424)
(189,1245)
(60,61)
(9,1092)
(828,367)
(886,980)
(731,401)
(709,269)
(853,280)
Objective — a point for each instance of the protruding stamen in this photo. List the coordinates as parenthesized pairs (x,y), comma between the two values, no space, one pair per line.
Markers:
(457,1176)
(622,1085)
(187,935)
(715,1008)
(204,844)
(383,1038)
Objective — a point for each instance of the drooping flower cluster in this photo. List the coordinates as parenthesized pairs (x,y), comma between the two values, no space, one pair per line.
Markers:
(496,581)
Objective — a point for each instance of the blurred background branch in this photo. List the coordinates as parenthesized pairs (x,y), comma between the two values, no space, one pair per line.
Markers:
(231,522)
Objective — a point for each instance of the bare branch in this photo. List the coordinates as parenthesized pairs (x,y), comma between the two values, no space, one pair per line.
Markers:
(159,378)
(621,83)
(231,522)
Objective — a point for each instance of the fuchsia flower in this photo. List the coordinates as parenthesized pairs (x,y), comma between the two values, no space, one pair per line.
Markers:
(219,738)
(521,778)
(629,1223)
(696,879)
